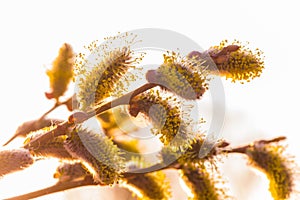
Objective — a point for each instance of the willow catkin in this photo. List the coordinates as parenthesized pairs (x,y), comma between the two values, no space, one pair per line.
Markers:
(238,64)
(183,77)
(14,160)
(165,115)
(99,79)
(149,186)
(51,148)
(187,155)
(61,72)
(270,160)
(98,154)
(202,183)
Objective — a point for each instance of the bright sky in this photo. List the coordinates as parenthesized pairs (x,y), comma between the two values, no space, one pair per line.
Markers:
(32,32)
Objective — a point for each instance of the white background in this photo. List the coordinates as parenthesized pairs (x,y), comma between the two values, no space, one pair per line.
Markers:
(31,33)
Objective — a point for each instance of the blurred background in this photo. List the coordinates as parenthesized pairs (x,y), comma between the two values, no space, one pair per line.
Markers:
(33,31)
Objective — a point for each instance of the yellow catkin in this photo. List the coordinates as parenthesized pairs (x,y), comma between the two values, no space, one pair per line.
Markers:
(165,115)
(61,72)
(98,153)
(270,160)
(14,160)
(241,65)
(202,183)
(149,186)
(100,78)
(190,154)
(184,77)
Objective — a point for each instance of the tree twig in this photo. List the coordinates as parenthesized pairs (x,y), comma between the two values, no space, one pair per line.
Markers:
(243,149)
(60,186)
(56,105)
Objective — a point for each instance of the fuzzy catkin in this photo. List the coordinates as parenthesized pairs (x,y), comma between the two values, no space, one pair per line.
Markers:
(51,148)
(61,72)
(202,184)
(14,160)
(241,65)
(269,159)
(190,154)
(149,186)
(165,115)
(186,78)
(100,78)
(98,153)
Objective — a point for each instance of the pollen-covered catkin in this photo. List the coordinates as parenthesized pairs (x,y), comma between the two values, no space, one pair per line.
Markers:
(149,186)
(99,79)
(187,155)
(238,64)
(14,160)
(98,154)
(202,184)
(61,72)
(270,160)
(184,77)
(165,115)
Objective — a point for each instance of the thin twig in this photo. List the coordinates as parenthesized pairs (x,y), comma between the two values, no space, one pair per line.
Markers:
(56,105)
(61,186)
(244,148)
(153,168)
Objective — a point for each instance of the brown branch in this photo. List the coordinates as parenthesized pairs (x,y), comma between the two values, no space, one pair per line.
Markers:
(243,149)
(153,168)
(124,100)
(60,186)
(56,105)
(80,117)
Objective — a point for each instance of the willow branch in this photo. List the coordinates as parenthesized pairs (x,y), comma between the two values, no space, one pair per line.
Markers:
(243,149)
(80,117)
(153,168)
(61,186)
(56,105)
(124,100)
